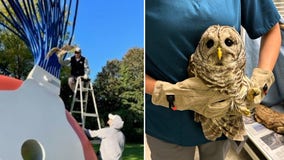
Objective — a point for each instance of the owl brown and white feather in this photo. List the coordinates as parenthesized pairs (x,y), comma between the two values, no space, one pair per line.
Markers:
(219,60)
(60,52)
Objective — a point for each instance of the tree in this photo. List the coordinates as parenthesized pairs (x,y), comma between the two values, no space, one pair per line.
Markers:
(119,89)
(15,57)
(106,88)
(65,91)
(132,72)
(132,96)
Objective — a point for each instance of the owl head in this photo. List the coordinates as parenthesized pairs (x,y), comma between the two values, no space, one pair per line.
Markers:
(221,46)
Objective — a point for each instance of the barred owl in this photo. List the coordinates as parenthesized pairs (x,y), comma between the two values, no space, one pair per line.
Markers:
(60,52)
(219,60)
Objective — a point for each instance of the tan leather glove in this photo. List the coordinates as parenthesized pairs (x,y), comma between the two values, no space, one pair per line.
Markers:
(262,81)
(191,94)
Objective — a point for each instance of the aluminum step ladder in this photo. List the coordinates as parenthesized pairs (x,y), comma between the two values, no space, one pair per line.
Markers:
(82,90)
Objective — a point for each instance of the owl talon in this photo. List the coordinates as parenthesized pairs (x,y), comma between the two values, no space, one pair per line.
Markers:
(253,93)
(245,111)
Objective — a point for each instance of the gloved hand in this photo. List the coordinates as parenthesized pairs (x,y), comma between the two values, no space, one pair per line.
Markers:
(262,81)
(192,94)
(89,134)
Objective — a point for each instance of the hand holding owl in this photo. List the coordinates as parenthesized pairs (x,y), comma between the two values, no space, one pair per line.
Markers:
(191,94)
(220,93)
(262,81)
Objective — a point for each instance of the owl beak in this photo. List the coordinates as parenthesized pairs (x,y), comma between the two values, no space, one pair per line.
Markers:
(219,53)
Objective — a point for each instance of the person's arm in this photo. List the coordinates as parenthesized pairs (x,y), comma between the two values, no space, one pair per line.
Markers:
(262,76)
(269,49)
(100,133)
(86,69)
(189,94)
(149,84)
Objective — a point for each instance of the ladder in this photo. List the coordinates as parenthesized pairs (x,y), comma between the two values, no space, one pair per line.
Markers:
(81,93)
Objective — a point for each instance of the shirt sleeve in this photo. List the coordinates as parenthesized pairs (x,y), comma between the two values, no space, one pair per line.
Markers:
(258,16)
(86,67)
(101,133)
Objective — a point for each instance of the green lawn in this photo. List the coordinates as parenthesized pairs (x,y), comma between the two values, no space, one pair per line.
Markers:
(131,151)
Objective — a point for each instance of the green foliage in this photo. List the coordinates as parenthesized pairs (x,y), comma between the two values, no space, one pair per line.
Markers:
(132,96)
(119,89)
(15,56)
(65,91)
(132,72)
(133,152)
(107,88)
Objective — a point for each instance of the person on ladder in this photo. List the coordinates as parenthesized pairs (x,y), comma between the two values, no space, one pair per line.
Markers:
(79,68)
(80,84)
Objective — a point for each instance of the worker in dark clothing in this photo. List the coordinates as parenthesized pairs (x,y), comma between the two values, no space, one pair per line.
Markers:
(79,68)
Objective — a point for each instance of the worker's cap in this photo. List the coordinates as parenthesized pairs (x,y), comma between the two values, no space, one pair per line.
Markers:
(113,116)
(116,121)
(77,50)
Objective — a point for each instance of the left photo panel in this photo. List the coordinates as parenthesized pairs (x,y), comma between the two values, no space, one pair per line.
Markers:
(72,80)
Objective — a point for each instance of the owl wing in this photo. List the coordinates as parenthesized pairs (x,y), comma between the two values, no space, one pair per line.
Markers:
(191,68)
(231,126)
(52,51)
(60,51)
(68,47)
(210,130)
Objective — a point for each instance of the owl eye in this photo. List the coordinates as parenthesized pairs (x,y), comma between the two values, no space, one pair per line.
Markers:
(210,43)
(229,42)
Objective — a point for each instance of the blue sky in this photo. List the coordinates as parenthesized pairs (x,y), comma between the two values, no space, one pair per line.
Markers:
(106,30)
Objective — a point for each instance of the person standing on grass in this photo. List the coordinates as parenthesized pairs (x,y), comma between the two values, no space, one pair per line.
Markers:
(112,138)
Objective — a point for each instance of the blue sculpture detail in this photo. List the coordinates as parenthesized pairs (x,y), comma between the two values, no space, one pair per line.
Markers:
(42,25)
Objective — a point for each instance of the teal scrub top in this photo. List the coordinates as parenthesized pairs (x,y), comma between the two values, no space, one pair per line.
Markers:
(173,29)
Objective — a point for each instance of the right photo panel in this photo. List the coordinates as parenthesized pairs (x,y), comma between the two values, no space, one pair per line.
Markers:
(213,80)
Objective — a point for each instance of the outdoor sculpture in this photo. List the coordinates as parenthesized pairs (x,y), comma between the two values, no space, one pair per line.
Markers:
(34,122)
